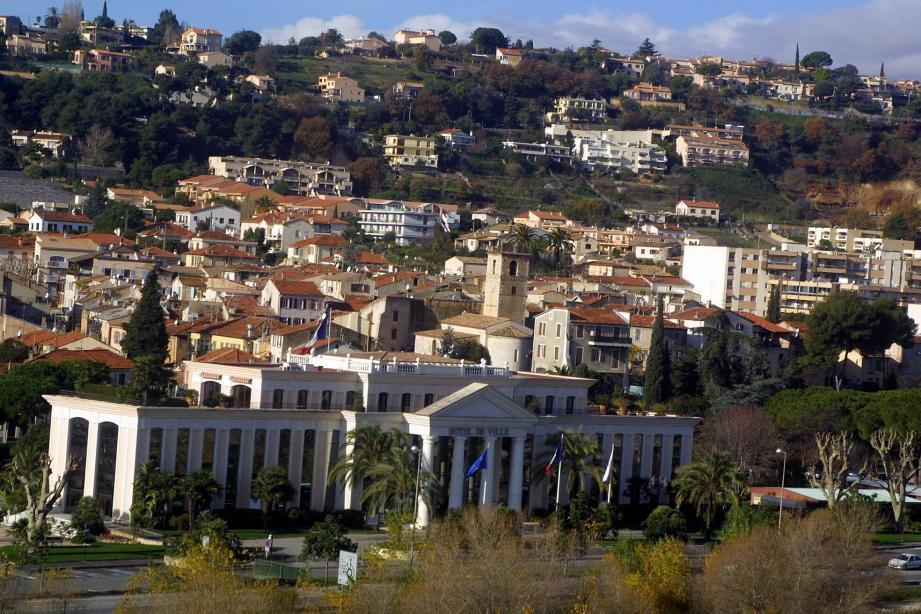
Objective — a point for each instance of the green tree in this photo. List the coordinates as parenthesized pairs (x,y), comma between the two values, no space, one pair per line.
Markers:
(647,49)
(845,322)
(196,488)
(715,367)
(816,59)
(324,541)
(686,376)
(663,522)
(580,458)
(152,493)
(167,28)
(559,242)
(119,216)
(87,515)
(11,350)
(898,226)
(271,487)
(523,238)
(708,483)
(244,41)
(369,446)
(657,380)
(709,70)
(149,381)
(315,137)
(447,37)
(391,483)
(485,40)
(773,306)
(145,333)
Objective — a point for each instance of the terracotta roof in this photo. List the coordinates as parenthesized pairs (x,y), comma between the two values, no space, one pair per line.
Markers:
(108,357)
(330,240)
(296,288)
(702,204)
(222,251)
(762,322)
(667,279)
(698,314)
(644,321)
(36,337)
(9,242)
(510,331)
(60,216)
(628,281)
(594,315)
(190,282)
(231,356)
(393,278)
(215,235)
(238,328)
(549,215)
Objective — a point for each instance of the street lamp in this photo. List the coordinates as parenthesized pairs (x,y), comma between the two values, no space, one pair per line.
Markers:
(783,476)
(412,538)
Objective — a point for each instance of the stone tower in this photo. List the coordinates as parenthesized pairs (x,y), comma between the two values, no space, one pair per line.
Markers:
(505,289)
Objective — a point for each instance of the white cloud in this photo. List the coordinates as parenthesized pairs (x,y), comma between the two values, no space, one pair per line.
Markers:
(348,25)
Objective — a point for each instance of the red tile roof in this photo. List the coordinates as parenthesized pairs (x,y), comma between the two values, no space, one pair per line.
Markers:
(329,240)
(290,287)
(60,216)
(594,315)
(231,356)
(644,321)
(222,251)
(113,360)
(763,323)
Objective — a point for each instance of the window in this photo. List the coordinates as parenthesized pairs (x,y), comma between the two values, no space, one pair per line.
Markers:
(541,351)
(559,330)
(548,405)
(393,333)
(382,399)
(516,356)
(542,328)
(326,400)
(596,355)
(395,316)
(278,398)
(350,397)
(570,405)
(406,401)
(556,352)
(513,268)
(514,290)
(580,331)
(428,399)
(578,360)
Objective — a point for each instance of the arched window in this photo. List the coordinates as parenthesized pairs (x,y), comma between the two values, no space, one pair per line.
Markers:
(241,395)
(429,399)
(326,401)
(209,392)
(382,400)
(350,397)
(513,268)
(514,290)
(278,398)
(548,405)
(302,399)
(406,401)
(78,435)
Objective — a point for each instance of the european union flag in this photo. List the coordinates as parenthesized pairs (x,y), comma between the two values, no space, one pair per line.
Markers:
(478,463)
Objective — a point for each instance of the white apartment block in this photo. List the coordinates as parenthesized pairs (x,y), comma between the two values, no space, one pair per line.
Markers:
(298,415)
(578,108)
(409,222)
(611,156)
(727,277)
(410,152)
(305,178)
(706,151)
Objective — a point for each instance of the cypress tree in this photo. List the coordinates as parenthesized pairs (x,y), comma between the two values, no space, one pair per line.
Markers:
(145,333)
(773,306)
(657,385)
(796,62)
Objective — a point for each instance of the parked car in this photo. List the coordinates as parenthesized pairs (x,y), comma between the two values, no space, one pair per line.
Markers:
(906,561)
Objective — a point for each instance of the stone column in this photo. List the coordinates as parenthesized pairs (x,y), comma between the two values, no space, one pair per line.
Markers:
(124,473)
(487,487)
(91,466)
(219,463)
(245,469)
(320,470)
(58,442)
(423,512)
(168,457)
(456,487)
(295,463)
(665,469)
(686,443)
(516,474)
(196,442)
(272,439)
(626,468)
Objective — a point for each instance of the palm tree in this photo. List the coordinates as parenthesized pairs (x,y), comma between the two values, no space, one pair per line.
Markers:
(559,241)
(196,488)
(580,454)
(708,483)
(523,238)
(265,203)
(370,446)
(153,492)
(271,487)
(392,482)
(52,18)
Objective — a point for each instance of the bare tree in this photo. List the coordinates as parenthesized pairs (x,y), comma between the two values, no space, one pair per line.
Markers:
(748,434)
(898,455)
(70,14)
(835,452)
(96,145)
(32,469)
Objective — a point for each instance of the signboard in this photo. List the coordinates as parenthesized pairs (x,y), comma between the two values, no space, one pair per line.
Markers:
(348,567)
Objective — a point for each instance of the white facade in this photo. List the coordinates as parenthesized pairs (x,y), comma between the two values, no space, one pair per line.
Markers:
(637,157)
(409,222)
(308,178)
(218,217)
(301,420)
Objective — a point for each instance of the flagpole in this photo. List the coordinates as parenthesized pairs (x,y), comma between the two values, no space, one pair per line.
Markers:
(609,491)
(559,482)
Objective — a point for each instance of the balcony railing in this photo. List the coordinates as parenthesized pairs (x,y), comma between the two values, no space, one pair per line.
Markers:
(606,340)
(339,362)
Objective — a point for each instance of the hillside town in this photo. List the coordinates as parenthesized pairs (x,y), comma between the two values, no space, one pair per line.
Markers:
(374,290)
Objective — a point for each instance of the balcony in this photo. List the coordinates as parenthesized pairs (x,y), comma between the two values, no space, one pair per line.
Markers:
(606,340)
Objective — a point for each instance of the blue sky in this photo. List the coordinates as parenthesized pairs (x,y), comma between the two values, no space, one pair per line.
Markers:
(862,32)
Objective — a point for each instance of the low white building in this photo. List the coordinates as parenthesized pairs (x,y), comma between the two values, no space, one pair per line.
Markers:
(212,217)
(298,416)
(708,209)
(409,222)
(635,156)
(464,266)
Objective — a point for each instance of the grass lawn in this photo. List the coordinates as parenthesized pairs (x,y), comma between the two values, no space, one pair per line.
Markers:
(94,552)
(895,538)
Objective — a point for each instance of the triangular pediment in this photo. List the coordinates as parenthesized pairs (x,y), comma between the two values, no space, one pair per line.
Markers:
(476,401)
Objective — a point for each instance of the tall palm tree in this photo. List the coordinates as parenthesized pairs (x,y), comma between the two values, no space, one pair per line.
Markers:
(52,18)
(196,488)
(271,487)
(153,491)
(580,457)
(559,241)
(708,483)
(392,482)
(523,238)
(370,446)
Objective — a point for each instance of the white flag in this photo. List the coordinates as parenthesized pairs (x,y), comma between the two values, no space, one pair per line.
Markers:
(607,472)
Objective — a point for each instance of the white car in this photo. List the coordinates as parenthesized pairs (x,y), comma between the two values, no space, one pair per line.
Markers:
(906,561)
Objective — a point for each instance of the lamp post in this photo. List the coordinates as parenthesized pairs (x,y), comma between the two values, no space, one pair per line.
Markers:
(412,538)
(783,476)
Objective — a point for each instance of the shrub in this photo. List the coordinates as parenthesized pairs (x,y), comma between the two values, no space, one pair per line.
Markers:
(664,521)
(87,517)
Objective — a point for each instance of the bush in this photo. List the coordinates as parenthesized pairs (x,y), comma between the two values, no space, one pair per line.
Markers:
(350,519)
(178,522)
(664,521)
(87,517)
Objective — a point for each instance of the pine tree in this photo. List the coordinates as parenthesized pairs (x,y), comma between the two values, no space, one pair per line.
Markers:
(657,385)
(145,333)
(773,306)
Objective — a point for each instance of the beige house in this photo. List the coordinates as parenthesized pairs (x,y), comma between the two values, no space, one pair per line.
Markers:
(315,249)
(707,151)
(20,45)
(414,37)
(335,87)
(708,209)
(213,59)
(509,57)
(200,40)
(647,92)
(410,151)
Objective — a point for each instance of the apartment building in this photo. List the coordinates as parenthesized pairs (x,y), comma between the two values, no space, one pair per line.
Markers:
(647,92)
(611,156)
(52,141)
(533,151)
(336,87)
(26,45)
(698,152)
(577,108)
(727,277)
(727,131)
(305,178)
(409,222)
(853,240)
(596,337)
(200,40)
(412,152)
(101,60)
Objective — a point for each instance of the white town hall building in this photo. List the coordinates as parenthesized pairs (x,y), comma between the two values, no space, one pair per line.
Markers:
(297,415)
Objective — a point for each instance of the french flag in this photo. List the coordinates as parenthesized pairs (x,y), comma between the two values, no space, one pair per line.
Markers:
(557,456)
